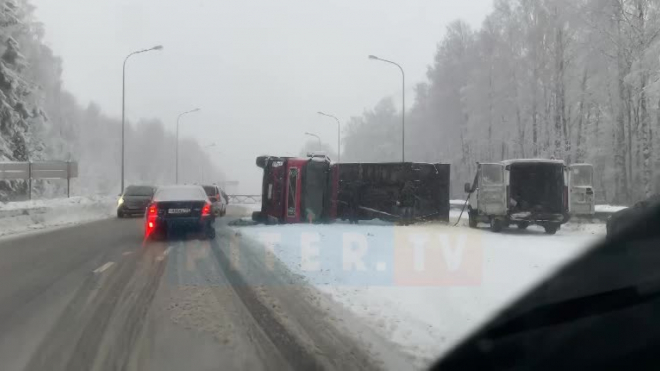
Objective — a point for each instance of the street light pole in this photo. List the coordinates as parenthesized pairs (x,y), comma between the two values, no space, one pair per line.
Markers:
(403,109)
(123,109)
(178,120)
(315,136)
(338,134)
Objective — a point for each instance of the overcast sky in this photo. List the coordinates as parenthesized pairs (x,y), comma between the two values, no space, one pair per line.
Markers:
(259,69)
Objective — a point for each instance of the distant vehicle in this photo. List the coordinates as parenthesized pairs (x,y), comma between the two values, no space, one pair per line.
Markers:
(134,200)
(217,198)
(627,218)
(581,198)
(179,209)
(525,192)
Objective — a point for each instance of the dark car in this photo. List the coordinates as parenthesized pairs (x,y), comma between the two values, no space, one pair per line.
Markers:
(179,209)
(218,199)
(626,218)
(134,200)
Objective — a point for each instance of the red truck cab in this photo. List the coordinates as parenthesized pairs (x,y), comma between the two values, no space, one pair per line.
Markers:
(296,190)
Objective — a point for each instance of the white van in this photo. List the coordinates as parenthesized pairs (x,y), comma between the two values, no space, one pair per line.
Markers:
(525,192)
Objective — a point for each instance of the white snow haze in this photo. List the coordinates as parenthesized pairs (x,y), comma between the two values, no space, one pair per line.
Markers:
(258,69)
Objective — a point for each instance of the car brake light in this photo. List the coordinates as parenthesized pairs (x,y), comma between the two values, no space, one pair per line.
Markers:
(206,211)
(151,225)
(153,209)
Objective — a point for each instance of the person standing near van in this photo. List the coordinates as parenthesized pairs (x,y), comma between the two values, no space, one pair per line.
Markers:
(407,203)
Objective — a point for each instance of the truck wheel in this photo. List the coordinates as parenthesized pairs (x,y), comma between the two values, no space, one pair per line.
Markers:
(551,228)
(523,225)
(496,225)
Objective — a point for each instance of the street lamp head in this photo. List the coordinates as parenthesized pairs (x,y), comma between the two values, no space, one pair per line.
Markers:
(373,57)
(157,47)
(321,113)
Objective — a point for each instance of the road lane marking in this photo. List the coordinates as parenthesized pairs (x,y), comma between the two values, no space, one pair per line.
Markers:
(126,253)
(102,268)
(164,254)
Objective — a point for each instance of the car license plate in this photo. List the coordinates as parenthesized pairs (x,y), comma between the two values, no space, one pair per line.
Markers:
(178,211)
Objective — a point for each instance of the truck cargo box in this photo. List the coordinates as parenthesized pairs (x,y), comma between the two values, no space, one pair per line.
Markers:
(379,186)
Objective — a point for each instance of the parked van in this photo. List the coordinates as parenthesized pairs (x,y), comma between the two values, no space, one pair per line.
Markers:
(525,192)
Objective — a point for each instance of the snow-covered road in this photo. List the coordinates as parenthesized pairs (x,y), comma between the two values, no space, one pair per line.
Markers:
(423,287)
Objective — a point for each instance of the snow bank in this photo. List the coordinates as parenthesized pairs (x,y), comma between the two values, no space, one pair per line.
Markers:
(425,299)
(19,217)
(242,210)
(456,204)
(605,209)
(609,208)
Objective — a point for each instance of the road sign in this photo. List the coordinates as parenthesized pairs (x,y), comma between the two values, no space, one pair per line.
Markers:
(14,170)
(50,170)
(39,170)
(73,169)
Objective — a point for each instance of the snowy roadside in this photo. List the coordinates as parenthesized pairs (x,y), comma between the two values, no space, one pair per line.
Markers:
(242,210)
(26,216)
(424,298)
(609,209)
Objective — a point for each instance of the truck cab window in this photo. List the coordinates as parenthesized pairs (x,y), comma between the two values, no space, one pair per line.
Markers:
(293,186)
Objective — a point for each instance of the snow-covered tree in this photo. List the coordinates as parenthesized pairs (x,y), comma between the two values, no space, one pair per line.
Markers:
(39,120)
(574,79)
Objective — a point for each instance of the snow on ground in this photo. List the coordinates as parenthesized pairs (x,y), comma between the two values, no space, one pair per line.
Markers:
(609,208)
(458,204)
(423,295)
(19,217)
(242,210)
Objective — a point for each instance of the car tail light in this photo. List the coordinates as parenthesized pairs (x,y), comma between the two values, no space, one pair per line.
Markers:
(153,209)
(206,211)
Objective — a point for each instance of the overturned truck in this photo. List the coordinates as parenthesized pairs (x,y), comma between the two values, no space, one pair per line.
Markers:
(313,190)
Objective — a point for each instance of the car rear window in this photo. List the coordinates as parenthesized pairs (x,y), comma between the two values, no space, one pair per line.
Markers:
(210,190)
(180,194)
(139,191)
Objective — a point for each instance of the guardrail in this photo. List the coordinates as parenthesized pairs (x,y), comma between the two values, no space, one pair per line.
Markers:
(244,199)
